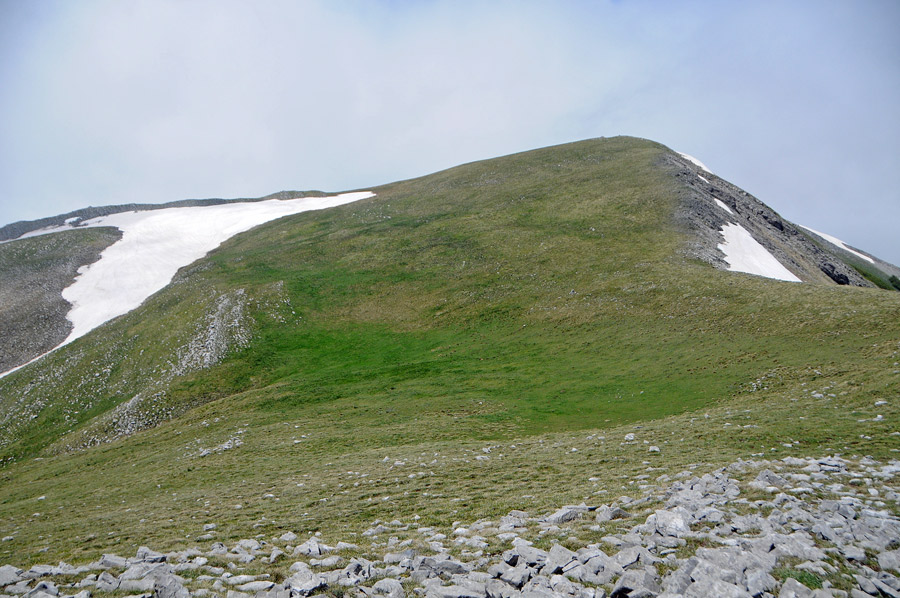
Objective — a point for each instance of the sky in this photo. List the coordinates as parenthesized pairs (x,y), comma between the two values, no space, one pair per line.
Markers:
(120,101)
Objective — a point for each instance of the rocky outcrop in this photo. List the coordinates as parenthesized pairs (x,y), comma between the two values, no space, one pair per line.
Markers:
(707,203)
(804,528)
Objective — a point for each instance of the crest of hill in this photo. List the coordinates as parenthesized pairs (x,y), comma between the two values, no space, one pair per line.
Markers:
(23,227)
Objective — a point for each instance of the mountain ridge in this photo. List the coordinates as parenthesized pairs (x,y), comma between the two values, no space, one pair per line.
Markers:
(534,298)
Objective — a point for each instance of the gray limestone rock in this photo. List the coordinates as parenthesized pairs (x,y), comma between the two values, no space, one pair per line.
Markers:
(303,581)
(889,559)
(558,559)
(10,575)
(517,576)
(311,547)
(669,523)
(498,589)
(43,587)
(388,587)
(137,585)
(707,588)
(791,588)
(567,513)
(256,586)
(106,582)
(530,555)
(112,561)
(636,583)
(606,513)
(150,556)
(455,591)
(237,580)
(759,581)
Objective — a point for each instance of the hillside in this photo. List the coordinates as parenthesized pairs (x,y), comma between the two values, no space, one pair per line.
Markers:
(353,362)
(33,274)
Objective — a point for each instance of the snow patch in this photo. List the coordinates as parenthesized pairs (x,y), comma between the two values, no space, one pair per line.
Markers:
(838,243)
(704,179)
(722,205)
(743,253)
(155,244)
(695,162)
(47,230)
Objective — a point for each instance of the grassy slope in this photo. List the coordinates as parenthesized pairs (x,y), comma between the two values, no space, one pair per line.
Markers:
(516,301)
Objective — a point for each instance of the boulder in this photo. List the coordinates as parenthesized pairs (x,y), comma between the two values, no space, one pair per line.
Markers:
(636,583)
(669,523)
(388,587)
(10,575)
(149,556)
(791,588)
(566,513)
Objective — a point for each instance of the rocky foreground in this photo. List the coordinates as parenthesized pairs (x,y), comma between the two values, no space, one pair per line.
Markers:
(792,528)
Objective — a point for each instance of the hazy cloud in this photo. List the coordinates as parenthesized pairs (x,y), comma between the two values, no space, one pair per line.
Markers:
(111,102)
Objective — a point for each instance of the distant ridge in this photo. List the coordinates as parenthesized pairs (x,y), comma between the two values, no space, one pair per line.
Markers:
(23,227)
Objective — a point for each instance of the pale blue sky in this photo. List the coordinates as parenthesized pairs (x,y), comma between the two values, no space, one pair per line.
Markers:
(153,101)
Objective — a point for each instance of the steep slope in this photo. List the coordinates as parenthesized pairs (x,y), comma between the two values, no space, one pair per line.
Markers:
(33,274)
(709,203)
(528,297)
(149,248)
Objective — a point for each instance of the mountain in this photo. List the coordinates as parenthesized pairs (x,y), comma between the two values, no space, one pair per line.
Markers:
(352,361)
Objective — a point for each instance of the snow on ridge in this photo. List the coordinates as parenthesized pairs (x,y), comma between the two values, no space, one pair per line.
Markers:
(838,243)
(743,253)
(695,162)
(722,205)
(155,244)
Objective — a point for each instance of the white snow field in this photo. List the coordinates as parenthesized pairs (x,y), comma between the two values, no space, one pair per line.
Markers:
(695,162)
(154,245)
(744,254)
(838,243)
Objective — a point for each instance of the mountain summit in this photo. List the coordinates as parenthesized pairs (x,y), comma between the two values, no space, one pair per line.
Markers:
(531,300)
(729,229)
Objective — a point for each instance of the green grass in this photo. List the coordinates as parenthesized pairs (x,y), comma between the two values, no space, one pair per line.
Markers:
(538,301)
(810,580)
(875,276)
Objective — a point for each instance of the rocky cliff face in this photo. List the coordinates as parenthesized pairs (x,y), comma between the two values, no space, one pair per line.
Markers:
(702,215)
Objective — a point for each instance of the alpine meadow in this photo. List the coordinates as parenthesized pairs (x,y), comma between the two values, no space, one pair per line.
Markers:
(559,327)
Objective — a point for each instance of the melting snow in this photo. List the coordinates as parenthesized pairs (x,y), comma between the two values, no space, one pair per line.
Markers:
(837,242)
(744,254)
(702,178)
(695,162)
(722,205)
(156,243)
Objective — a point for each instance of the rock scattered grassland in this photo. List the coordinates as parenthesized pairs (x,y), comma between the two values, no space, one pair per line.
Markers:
(794,528)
